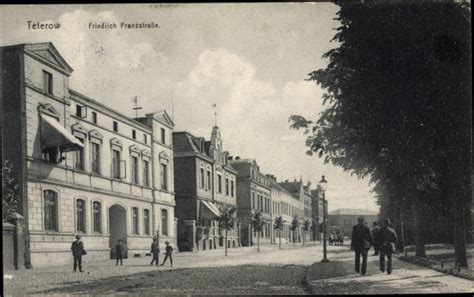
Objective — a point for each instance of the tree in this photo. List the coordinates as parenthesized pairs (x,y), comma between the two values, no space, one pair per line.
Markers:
(398,89)
(10,198)
(306,225)
(278,225)
(294,226)
(226,221)
(257,225)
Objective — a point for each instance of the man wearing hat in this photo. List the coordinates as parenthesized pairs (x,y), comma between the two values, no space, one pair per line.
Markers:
(361,243)
(155,251)
(78,251)
(168,254)
(388,238)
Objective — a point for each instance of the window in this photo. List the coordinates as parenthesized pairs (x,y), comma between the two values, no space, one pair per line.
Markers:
(134,170)
(164,222)
(97,212)
(81,111)
(115,126)
(134,134)
(94,117)
(80,215)
(203,182)
(116,163)
(145,140)
(219,183)
(95,160)
(163,136)
(232,188)
(79,157)
(164,176)
(146,179)
(253,199)
(227,187)
(146,221)
(135,220)
(50,210)
(47,82)
(209,180)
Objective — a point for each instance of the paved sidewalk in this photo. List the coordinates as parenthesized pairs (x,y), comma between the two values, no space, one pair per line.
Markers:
(339,277)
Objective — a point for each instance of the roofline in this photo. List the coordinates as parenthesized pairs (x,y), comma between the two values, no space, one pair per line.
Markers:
(93,101)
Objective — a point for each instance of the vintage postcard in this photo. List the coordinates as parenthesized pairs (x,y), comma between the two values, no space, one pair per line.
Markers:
(236,148)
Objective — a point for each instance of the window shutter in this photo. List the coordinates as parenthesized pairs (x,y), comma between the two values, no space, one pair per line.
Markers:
(123,169)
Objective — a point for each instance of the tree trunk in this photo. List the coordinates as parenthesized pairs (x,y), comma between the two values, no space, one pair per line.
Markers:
(460,190)
(258,241)
(226,242)
(419,226)
(279,241)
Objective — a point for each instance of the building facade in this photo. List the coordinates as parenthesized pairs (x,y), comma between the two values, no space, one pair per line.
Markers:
(204,183)
(346,218)
(82,167)
(253,194)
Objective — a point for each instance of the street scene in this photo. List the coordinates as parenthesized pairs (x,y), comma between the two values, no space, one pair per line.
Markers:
(237,149)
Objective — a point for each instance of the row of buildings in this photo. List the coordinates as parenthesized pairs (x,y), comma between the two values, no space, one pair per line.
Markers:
(84,168)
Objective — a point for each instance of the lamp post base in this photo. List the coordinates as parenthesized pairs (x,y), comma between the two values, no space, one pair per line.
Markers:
(325,260)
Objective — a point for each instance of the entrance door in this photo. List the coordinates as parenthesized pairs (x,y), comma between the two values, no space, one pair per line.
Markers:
(117,228)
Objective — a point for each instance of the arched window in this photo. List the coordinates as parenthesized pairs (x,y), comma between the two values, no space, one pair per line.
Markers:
(50,210)
(164,222)
(97,209)
(80,215)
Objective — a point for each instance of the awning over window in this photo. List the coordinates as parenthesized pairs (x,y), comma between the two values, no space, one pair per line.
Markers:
(209,210)
(55,135)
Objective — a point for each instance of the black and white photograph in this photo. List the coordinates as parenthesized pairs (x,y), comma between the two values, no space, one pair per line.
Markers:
(303,148)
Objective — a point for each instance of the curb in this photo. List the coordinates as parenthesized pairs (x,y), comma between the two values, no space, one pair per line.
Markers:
(439,266)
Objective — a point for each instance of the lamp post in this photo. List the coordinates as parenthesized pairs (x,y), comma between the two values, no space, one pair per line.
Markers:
(323,187)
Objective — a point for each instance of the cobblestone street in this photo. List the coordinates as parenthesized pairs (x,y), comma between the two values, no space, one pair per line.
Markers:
(292,270)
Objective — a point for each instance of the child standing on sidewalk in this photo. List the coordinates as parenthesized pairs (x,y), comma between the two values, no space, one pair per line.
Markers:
(168,254)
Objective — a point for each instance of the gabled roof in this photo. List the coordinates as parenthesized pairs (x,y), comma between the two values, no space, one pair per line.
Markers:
(163,117)
(182,143)
(47,53)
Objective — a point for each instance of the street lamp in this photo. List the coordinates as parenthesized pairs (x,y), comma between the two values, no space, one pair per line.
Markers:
(323,184)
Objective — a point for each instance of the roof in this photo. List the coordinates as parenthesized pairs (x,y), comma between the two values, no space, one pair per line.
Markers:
(354,211)
(292,187)
(183,143)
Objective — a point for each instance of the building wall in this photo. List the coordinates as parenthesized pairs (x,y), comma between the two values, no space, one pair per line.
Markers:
(71,184)
(346,222)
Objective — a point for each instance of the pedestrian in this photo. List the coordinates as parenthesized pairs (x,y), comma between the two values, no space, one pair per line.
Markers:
(155,251)
(388,239)
(78,251)
(375,237)
(361,243)
(119,252)
(168,254)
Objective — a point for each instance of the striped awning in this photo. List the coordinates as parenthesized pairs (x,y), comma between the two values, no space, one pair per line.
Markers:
(211,208)
(55,135)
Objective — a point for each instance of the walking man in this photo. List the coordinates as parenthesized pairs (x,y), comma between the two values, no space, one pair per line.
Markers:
(168,254)
(120,252)
(78,251)
(361,243)
(155,251)
(375,237)
(388,238)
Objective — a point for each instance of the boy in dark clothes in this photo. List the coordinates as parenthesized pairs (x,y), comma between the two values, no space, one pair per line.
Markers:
(155,251)
(78,251)
(169,251)
(120,251)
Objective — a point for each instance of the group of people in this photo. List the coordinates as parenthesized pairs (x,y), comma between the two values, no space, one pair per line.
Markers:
(384,241)
(78,251)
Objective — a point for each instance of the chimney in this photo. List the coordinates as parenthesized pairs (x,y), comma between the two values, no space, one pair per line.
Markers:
(230,158)
(295,180)
(237,158)
(286,180)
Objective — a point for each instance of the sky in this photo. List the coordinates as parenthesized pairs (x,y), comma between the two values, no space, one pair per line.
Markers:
(251,60)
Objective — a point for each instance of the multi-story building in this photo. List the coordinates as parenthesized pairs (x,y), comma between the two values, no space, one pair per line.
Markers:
(204,183)
(283,204)
(317,213)
(346,218)
(253,194)
(303,211)
(82,168)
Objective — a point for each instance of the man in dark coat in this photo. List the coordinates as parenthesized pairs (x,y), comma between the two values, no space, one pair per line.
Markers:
(120,252)
(77,249)
(155,251)
(361,243)
(375,237)
(389,240)
(168,254)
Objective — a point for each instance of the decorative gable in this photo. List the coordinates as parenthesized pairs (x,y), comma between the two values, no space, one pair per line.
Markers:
(78,128)
(49,110)
(48,54)
(163,117)
(95,134)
